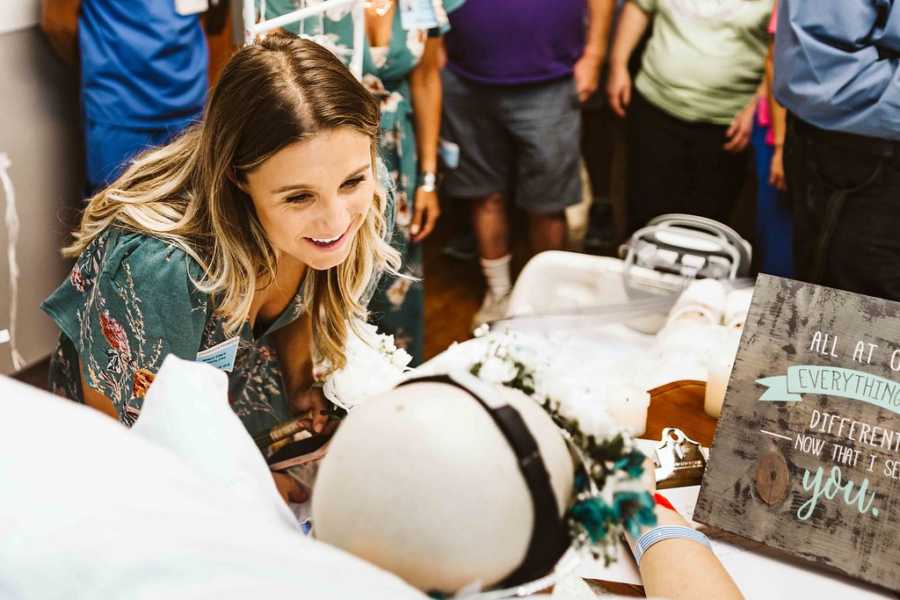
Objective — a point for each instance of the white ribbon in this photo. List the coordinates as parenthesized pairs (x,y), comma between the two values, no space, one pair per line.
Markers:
(11,219)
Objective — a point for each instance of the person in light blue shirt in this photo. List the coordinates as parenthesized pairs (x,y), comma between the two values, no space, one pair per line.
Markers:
(837,64)
(143,79)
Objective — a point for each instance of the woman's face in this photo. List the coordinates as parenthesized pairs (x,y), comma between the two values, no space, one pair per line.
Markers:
(312,197)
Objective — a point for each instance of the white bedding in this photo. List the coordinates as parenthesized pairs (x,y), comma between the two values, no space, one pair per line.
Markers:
(89,509)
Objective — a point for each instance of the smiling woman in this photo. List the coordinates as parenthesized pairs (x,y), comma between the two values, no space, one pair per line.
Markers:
(249,242)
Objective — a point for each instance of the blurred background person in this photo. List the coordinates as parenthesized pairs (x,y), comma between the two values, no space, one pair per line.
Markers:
(514,84)
(836,73)
(401,66)
(690,109)
(774,223)
(143,74)
(602,146)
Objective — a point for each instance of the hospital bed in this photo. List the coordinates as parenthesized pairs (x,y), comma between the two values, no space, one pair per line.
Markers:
(610,309)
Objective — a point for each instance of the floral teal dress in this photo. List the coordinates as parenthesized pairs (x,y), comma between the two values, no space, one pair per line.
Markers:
(398,307)
(130,300)
(128,303)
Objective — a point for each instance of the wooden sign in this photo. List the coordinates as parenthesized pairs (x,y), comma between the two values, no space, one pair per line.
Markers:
(806,457)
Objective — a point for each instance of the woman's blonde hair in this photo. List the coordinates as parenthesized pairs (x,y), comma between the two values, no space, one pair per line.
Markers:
(271,94)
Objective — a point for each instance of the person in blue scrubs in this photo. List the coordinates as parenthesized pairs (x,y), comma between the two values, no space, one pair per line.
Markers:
(837,71)
(143,79)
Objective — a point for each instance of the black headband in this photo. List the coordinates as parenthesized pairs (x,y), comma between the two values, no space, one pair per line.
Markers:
(549,537)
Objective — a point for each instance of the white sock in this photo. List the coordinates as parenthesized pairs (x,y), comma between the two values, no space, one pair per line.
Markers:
(496,272)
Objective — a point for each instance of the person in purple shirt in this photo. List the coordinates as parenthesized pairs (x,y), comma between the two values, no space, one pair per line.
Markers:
(516,76)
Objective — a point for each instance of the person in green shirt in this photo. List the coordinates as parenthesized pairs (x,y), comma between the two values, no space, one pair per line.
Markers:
(401,66)
(690,109)
(250,243)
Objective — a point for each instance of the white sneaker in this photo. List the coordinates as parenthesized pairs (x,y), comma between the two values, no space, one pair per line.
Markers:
(492,309)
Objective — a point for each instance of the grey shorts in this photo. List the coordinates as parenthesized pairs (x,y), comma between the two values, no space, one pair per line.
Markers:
(522,141)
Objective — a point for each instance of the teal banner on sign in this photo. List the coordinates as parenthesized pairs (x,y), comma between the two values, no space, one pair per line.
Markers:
(832,381)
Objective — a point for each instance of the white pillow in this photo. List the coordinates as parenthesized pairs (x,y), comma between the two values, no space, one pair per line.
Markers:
(187,411)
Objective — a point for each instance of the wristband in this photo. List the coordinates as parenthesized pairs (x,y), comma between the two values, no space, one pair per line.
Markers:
(667,532)
(428,181)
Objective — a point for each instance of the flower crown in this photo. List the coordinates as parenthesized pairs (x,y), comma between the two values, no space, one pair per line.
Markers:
(608,498)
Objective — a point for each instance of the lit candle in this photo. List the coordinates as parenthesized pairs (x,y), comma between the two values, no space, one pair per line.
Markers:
(628,408)
(719,374)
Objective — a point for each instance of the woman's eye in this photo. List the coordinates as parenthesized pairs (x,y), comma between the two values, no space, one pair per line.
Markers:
(352,183)
(298,198)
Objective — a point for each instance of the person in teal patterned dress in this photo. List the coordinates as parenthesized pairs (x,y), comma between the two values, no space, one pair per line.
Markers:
(249,243)
(401,66)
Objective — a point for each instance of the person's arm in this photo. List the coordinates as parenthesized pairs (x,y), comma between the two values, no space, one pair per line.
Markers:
(828,64)
(779,125)
(426,89)
(587,69)
(633,22)
(680,569)
(741,129)
(294,347)
(59,22)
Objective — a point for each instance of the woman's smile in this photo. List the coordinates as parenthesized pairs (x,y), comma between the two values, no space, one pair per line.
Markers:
(329,243)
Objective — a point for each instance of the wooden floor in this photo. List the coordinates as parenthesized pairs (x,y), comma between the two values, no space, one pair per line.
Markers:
(453,289)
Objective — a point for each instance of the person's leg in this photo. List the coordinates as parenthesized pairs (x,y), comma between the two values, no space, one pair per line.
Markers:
(804,218)
(470,122)
(597,148)
(546,232)
(657,168)
(717,176)
(774,231)
(851,201)
(578,215)
(864,255)
(491,226)
(544,122)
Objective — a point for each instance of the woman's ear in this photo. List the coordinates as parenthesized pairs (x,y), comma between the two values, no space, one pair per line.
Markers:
(232,176)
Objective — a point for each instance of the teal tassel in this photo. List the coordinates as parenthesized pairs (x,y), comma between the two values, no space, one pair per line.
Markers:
(634,510)
(632,463)
(594,515)
(581,480)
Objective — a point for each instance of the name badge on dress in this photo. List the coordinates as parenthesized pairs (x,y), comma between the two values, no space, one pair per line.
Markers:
(221,355)
(191,7)
(417,14)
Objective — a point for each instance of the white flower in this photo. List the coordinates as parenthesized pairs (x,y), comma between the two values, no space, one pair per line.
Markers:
(400,358)
(374,366)
(577,399)
(495,369)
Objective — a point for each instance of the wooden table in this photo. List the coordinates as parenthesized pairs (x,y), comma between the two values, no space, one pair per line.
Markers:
(678,404)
